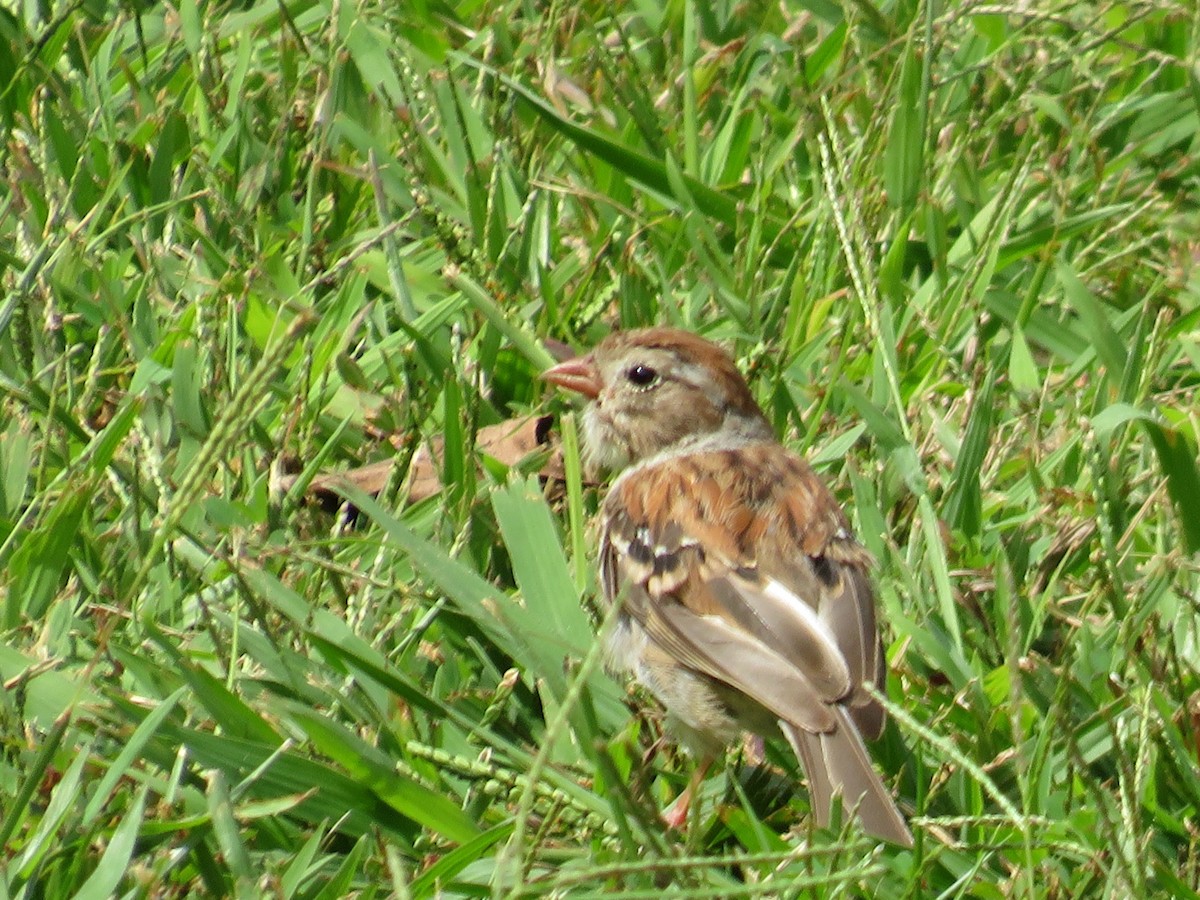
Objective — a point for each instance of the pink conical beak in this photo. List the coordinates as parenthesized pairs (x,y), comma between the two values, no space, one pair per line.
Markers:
(578,374)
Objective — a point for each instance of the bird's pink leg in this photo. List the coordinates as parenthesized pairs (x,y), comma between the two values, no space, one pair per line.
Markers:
(676,814)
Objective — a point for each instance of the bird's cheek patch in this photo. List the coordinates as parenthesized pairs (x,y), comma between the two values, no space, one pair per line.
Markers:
(602,446)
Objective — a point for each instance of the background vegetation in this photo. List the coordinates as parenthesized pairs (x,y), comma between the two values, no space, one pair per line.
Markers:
(955,246)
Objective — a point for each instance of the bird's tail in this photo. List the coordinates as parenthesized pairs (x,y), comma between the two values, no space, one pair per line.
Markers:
(836,762)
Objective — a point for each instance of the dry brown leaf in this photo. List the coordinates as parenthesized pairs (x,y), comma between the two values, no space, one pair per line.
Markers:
(507,442)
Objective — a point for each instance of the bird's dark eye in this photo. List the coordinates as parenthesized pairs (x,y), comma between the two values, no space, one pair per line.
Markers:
(642,376)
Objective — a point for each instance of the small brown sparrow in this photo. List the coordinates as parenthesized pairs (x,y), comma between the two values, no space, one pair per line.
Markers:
(746,602)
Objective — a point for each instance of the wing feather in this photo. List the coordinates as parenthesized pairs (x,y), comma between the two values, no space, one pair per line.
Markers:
(770,612)
(721,650)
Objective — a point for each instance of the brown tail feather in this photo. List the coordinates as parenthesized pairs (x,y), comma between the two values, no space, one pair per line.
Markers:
(836,762)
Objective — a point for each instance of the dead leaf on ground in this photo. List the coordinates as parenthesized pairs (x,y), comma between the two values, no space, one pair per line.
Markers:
(508,442)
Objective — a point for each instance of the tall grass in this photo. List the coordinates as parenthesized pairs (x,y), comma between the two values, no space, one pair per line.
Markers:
(954,247)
